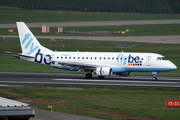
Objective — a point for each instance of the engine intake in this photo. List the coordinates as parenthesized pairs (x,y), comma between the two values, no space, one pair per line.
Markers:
(104,71)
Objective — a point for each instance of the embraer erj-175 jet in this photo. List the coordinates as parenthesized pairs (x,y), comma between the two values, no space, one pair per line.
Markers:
(100,63)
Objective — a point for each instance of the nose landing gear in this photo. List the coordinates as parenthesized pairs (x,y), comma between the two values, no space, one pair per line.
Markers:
(154,78)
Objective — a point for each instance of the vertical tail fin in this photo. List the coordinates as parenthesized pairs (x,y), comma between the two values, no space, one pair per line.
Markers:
(29,44)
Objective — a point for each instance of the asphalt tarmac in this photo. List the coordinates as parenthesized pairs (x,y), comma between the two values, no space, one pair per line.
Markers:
(20,78)
(52,115)
(170,39)
(94,23)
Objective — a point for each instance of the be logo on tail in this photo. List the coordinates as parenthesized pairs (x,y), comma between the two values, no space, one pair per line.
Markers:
(30,43)
(39,58)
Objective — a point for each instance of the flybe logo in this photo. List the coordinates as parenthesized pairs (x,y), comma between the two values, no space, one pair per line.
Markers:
(47,58)
(131,60)
(30,43)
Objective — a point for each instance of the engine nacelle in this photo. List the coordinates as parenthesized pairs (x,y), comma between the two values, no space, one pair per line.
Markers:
(125,74)
(104,71)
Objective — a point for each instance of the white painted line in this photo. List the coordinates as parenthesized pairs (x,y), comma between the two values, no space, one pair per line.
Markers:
(120,81)
(98,84)
(123,85)
(141,78)
(3,85)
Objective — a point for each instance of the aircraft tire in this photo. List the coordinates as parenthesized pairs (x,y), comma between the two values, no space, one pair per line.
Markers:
(154,78)
(88,76)
(101,77)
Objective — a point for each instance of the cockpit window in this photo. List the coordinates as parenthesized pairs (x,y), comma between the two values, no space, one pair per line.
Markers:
(161,58)
(158,58)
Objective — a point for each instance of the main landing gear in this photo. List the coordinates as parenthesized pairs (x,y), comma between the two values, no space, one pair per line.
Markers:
(101,77)
(88,76)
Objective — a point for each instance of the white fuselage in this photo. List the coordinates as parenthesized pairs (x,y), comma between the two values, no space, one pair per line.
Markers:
(119,62)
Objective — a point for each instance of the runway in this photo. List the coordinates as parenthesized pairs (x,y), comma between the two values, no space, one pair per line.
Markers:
(19,78)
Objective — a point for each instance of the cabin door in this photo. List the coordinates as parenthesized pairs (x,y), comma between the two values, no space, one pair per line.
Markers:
(148,60)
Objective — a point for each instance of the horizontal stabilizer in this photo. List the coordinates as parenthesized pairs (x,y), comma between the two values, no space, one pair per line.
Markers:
(19,54)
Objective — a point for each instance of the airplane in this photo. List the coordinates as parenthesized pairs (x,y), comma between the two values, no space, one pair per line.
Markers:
(102,64)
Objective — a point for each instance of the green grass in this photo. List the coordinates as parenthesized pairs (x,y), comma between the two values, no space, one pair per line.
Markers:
(101,102)
(139,30)
(105,3)
(9,63)
(13,14)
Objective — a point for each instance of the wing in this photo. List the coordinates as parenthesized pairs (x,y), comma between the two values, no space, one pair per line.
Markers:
(81,66)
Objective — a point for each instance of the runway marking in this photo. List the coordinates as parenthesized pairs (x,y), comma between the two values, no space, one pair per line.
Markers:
(3,85)
(113,81)
(141,78)
(95,84)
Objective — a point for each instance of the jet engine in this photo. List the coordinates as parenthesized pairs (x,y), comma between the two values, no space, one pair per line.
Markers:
(125,74)
(104,71)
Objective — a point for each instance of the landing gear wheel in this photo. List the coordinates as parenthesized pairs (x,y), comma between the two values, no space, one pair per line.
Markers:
(88,76)
(154,78)
(101,77)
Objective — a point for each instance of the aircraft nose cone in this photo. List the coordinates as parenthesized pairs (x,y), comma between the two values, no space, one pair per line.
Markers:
(173,67)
